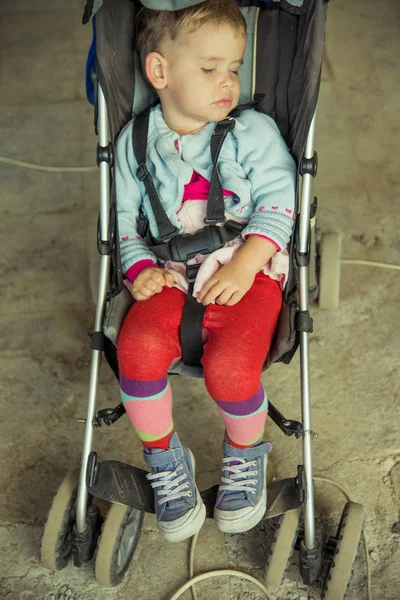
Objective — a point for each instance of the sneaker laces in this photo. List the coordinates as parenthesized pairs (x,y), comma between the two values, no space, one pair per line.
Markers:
(168,485)
(238,480)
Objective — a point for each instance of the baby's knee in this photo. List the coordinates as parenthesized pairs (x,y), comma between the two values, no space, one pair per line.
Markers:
(226,381)
(144,353)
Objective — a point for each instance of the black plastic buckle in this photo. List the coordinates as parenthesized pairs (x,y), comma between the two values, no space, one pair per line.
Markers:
(191,272)
(167,237)
(235,225)
(185,246)
(214,221)
(142,172)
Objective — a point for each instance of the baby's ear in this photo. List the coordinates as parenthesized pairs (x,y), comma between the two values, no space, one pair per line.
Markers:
(155,67)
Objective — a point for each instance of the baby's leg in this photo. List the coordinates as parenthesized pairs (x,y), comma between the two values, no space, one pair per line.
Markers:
(147,345)
(239,339)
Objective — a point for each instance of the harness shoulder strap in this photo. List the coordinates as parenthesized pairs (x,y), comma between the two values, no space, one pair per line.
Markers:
(139,142)
(215,203)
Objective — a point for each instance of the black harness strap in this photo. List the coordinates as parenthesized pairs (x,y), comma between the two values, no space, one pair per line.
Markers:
(139,141)
(191,331)
(215,203)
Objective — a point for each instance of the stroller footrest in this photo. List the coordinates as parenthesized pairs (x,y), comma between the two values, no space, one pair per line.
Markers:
(120,483)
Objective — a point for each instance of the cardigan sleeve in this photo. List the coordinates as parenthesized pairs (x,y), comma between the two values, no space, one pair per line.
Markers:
(271,172)
(128,201)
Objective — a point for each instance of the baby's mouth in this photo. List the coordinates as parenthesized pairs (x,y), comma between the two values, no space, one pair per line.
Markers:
(224,102)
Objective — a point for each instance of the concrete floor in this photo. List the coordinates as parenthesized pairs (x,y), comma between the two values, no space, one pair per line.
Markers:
(46,312)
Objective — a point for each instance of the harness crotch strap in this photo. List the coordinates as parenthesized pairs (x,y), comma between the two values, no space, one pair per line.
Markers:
(181,247)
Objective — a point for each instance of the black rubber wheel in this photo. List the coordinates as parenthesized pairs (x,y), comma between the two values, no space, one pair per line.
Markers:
(348,538)
(117,544)
(56,547)
(282,548)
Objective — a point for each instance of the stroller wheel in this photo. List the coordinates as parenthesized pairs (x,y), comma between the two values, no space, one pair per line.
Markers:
(343,550)
(329,270)
(117,544)
(56,548)
(282,548)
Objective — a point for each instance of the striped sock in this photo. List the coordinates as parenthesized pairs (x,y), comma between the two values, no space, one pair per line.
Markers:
(245,419)
(149,407)
(235,445)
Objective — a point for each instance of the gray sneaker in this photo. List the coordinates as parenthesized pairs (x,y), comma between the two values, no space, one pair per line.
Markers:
(242,494)
(179,508)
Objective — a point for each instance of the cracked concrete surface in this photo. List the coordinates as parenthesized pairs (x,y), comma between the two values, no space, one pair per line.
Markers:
(46,313)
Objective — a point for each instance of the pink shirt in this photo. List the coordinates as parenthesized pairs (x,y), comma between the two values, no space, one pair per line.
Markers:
(199,187)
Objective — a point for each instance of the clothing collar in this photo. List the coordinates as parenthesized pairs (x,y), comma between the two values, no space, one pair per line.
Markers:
(161,130)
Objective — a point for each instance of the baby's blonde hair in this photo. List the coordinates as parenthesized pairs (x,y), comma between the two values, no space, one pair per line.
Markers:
(154,27)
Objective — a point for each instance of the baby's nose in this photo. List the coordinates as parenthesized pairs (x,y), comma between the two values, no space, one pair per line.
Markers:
(227,81)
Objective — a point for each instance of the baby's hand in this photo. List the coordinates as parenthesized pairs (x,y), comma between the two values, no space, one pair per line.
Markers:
(228,286)
(150,282)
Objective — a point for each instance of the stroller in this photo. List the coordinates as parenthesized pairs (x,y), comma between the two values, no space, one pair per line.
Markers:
(281,75)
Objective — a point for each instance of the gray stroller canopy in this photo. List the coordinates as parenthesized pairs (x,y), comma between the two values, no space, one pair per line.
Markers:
(94,5)
(282,62)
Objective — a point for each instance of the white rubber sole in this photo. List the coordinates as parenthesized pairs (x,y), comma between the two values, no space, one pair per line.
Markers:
(239,521)
(190,523)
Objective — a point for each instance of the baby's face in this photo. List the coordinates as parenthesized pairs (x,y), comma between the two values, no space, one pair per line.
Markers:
(202,80)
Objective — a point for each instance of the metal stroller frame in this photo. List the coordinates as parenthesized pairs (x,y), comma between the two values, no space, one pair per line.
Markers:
(311,550)
(304,228)
(303,250)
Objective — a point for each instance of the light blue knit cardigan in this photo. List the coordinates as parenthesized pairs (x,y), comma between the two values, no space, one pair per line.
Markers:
(254,164)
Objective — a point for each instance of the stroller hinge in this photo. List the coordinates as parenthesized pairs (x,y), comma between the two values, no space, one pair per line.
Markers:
(84,543)
(288,426)
(97,340)
(108,416)
(309,166)
(303,321)
(105,154)
(311,559)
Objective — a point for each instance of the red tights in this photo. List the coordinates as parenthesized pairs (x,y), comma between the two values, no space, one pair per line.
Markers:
(239,339)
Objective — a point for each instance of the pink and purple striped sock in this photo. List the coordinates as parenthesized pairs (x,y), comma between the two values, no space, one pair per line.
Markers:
(149,407)
(245,419)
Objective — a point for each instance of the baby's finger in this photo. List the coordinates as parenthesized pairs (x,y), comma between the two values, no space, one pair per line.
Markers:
(152,286)
(224,297)
(139,296)
(143,291)
(157,276)
(169,279)
(206,288)
(235,298)
(213,293)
